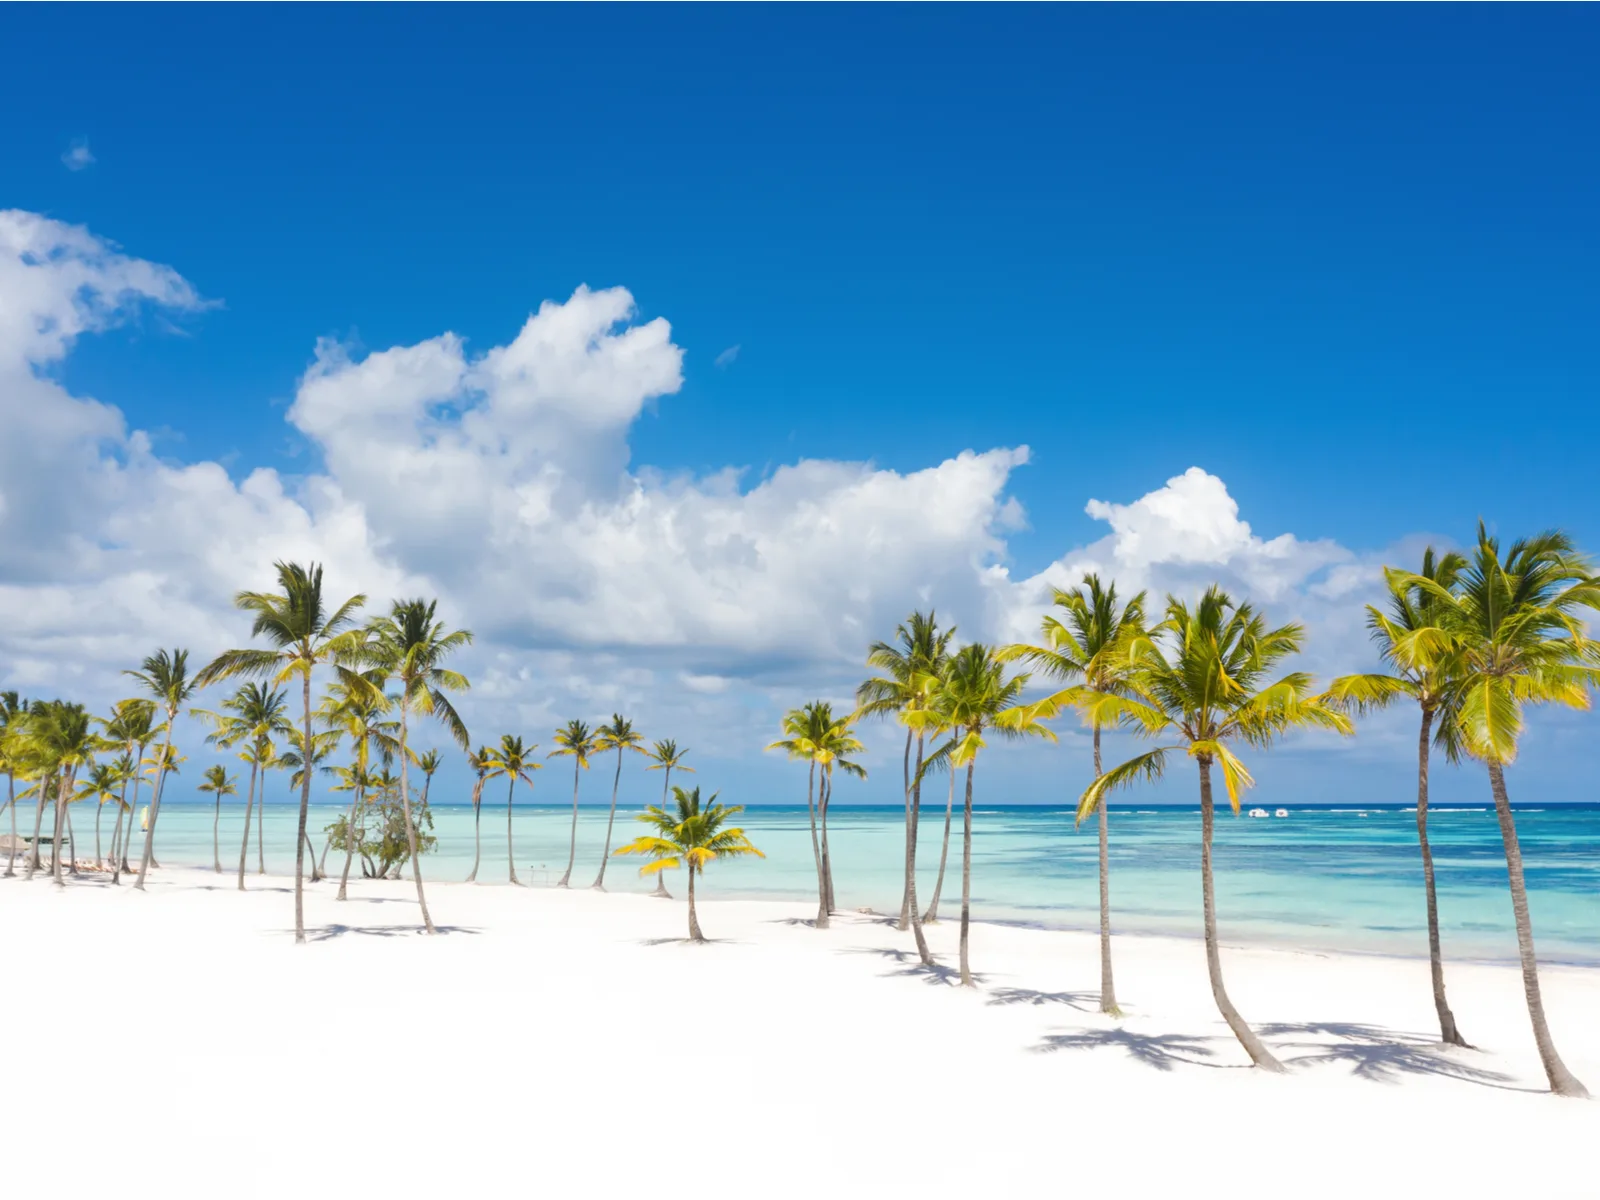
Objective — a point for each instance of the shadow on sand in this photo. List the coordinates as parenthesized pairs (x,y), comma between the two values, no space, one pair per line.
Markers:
(1082,1001)
(1163,1051)
(911,965)
(1379,1054)
(323,933)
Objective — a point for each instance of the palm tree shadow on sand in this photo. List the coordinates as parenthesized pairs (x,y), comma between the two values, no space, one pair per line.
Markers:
(1379,1054)
(688,941)
(323,933)
(1082,1001)
(1163,1051)
(911,965)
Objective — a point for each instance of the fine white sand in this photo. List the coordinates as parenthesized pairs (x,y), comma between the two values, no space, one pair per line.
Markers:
(177,1043)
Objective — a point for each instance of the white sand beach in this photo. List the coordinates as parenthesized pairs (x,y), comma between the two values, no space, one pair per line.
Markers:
(177,1044)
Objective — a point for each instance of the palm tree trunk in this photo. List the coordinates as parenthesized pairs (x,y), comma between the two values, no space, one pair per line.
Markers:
(511,854)
(100,811)
(216,844)
(966,874)
(1562,1081)
(160,786)
(572,852)
(816,848)
(350,839)
(320,871)
(605,855)
(661,876)
(694,920)
(72,843)
(249,803)
(1253,1046)
(932,915)
(911,864)
(38,824)
(477,830)
(1448,1033)
(411,830)
(1108,988)
(261,834)
(60,830)
(825,794)
(305,808)
(906,903)
(11,793)
(127,835)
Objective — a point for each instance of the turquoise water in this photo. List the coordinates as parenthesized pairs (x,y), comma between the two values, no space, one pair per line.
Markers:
(1323,879)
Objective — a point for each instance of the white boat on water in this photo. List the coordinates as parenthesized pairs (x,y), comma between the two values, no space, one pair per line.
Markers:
(1258,812)
(1282,812)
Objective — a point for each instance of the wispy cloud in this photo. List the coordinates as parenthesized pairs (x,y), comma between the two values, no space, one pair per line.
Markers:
(725,359)
(77,156)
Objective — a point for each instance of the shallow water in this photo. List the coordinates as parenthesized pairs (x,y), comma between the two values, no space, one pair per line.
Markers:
(1323,879)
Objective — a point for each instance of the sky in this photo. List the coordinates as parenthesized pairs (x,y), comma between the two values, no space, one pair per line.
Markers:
(682,352)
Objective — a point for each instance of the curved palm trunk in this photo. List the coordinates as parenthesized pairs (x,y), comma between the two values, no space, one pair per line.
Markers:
(1562,1081)
(572,852)
(321,871)
(911,864)
(1253,1046)
(511,854)
(906,902)
(824,795)
(350,840)
(477,823)
(216,829)
(411,830)
(966,875)
(932,915)
(100,811)
(261,834)
(127,836)
(305,807)
(11,803)
(661,880)
(694,920)
(161,784)
(72,846)
(38,824)
(1108,987)
(1448,1033)
(816,848)
(249,804)
(60,829)
(605,855)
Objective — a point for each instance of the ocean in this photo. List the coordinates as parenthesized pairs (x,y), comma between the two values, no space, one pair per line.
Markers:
(1341,878)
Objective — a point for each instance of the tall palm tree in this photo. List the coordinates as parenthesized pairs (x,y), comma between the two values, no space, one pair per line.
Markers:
(976,698)
(1517,625)
(513,760)
(101,787)
(479,760)
(1087,646)
(216,782)
(692,835)
(1202,679)
(905,690)
(64,742)
(575,741)
(666,756)
(411,645)
(621,736)
(1423,659)
(132,727)
(12,710)
(252,717)
(837,745)
(304,635)
(811,731)
(166,677)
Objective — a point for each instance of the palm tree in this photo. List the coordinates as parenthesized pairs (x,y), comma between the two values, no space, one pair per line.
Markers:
(12,710)
(166,677)
(304,635)
(513,760)
(1423,659)
(1201,678)
(132,727)
(410,644)
(574,741)
(666,756)
(62,743)
(1089,648)
(216,782)
(158,764)
(358,715)
(975,698)
(619,735)
(811,730)
(692,835)
(101,787)
(905,690)
(479,760)
(428,762)
(252,717)
(1516,626)
(838,743)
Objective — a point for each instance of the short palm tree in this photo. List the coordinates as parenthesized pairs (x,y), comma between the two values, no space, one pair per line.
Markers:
(165,676)
(215,782)
(513,760)
(1423,659)
(1087,646)
(1517,625)
(358,715)
(132,727)
(910,677)
(666,756)
(692,835)
(410,645)
(619,735)
(428,762)
(1202,679)
(975,698)
(304,635)
(813,737)
(252,717)
(12,710)
(480,760)
(576,741)
(101,786)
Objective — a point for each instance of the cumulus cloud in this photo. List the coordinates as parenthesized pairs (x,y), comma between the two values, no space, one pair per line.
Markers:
(76,156)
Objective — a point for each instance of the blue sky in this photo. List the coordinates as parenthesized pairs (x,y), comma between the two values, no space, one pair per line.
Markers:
(1341,259)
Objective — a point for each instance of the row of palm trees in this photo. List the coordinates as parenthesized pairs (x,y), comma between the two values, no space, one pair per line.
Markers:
(1472,639)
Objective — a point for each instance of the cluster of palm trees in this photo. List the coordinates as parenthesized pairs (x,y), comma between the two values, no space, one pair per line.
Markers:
(1472,639)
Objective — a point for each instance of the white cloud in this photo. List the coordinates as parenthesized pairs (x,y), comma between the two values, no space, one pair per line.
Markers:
(76,157)
(727,357)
